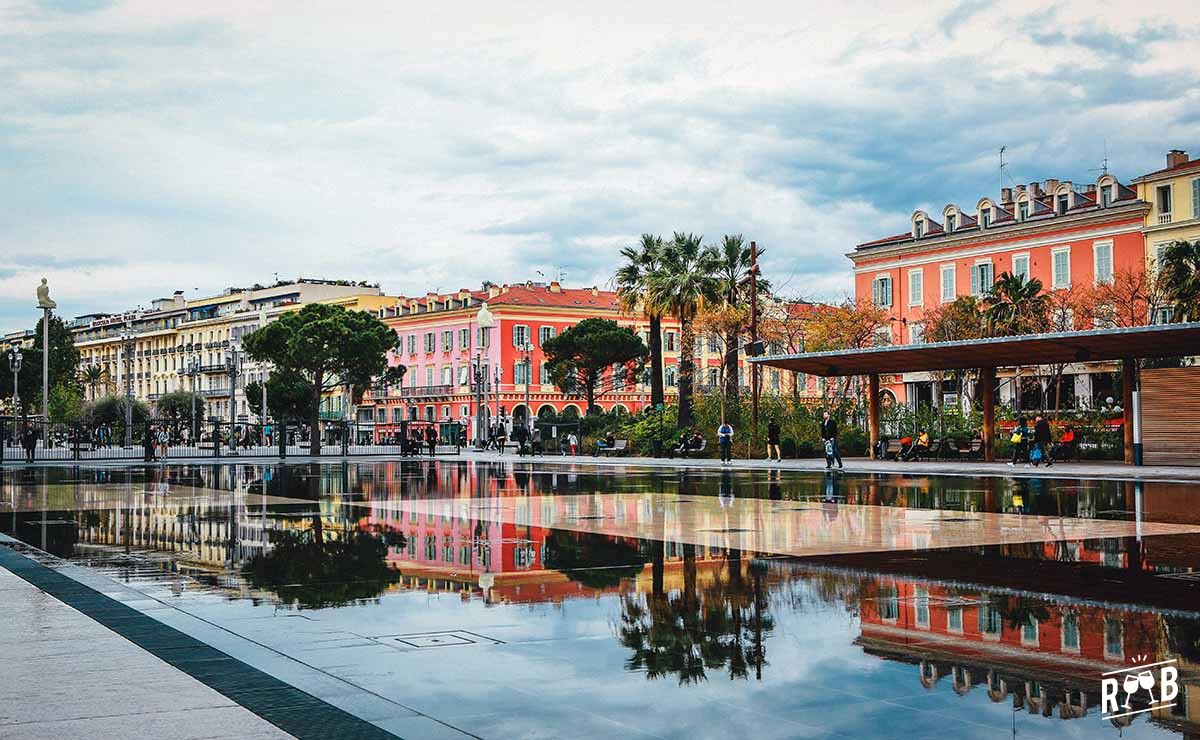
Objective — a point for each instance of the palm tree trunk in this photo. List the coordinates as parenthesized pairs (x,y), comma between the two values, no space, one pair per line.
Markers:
(730,361)
(656,360)
(314,432)
(687,370)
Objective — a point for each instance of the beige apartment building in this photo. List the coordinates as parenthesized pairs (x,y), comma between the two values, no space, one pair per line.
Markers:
(181,344)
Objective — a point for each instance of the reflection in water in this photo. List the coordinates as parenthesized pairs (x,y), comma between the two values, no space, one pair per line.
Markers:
(305,570)
(1027,626)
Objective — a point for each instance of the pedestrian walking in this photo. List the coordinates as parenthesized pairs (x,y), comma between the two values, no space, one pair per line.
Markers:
(1020,442)
(725,440)
(29,438)
(431,438)
(501,438)
(829,431)
(573,443)
(773,431)
(1041,442)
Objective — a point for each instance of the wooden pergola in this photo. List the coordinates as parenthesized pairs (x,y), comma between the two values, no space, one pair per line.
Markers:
(985,355)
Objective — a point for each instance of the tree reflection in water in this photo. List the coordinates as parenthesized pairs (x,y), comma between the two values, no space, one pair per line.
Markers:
(688,633)
(593,560)
(307,571)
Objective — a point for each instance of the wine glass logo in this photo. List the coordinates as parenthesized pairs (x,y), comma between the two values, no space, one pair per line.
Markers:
(1133,682)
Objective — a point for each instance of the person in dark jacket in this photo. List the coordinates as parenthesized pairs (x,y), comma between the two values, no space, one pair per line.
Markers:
(773,432)
(829,432)
(1042,440)
(431,439)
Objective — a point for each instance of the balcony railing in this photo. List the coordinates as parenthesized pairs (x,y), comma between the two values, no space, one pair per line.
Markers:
(1164,218)
(424,391)
(212,392)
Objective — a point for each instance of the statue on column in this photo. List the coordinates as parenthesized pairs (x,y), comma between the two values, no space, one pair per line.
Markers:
(43,294)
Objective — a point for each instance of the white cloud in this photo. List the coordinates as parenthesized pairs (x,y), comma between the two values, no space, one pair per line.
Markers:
(150,145)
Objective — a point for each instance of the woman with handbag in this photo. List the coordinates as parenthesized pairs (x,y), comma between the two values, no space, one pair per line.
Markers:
(1020,442)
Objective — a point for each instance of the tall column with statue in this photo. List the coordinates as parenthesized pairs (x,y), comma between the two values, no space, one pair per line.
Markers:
(47,305)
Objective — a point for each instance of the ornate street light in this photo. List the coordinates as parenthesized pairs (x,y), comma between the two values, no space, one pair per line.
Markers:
(485,321)
(14,366)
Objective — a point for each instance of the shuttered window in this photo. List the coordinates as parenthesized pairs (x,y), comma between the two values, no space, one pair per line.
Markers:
(1103,262)
(948,289)
(881,291)
(981,278)
(1061,261)
(1196,198)
(916,287)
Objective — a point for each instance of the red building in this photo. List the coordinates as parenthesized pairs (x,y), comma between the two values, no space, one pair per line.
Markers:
(1059,233)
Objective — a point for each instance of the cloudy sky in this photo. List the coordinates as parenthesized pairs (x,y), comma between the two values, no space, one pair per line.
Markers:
(150,146)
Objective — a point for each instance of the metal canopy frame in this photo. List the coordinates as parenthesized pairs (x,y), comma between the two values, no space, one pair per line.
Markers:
(1158,340)
(985,355)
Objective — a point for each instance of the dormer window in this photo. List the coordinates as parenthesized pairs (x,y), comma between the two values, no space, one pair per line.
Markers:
(919,228)
(1023,210)
(985,217)
(1062,203)
(1106,196)
(951,222)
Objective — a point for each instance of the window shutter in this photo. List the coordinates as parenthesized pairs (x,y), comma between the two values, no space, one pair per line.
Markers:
(1196,198)
(975,280)
(875,291)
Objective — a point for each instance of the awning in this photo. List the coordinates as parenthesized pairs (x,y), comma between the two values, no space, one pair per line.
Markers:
(1160,340)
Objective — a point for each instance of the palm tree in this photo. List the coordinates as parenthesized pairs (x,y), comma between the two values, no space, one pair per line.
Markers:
(733,272)
(1014,305)
(684,282)
(1180,275)
(632,281)
(94,376)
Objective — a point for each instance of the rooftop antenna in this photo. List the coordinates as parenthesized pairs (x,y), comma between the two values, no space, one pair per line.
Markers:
(1004,169)
(1103,168)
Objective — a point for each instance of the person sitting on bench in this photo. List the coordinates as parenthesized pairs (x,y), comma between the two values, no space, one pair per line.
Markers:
(920,448)
(1065,447)
(608,443)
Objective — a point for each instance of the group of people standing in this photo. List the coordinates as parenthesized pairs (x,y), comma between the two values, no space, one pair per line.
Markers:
(1036,446)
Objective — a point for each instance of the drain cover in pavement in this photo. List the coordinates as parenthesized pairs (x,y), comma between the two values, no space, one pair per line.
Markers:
(729,530)
(437,639)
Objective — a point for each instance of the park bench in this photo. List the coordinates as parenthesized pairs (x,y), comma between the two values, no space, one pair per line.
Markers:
(892,450)
(685,451)
(972,450)
(618,448)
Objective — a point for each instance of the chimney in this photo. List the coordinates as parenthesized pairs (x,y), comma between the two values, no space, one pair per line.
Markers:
(493,291)
(1090,188)
(1176,157)
(595,292)
(1051,185)
(1035,190)
(1020,189)
(1005,196)
(555,286)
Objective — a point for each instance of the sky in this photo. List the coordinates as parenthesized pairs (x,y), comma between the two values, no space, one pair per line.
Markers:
(149,146)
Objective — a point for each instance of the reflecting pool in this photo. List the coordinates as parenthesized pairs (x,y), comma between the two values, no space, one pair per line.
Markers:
(544,600)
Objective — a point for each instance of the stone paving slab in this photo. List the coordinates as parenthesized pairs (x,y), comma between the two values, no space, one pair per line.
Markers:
(55,683)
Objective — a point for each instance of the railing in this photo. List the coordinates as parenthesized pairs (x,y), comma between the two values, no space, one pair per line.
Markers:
(422,391)
(212,392)
(1164,218)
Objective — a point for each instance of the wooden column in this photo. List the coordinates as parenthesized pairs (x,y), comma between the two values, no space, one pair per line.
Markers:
(987,387)
(1128,380)
(873,411)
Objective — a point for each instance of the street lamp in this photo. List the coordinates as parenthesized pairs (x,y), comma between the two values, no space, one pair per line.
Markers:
(194,370)
(485,321)
(528,349)
(14,366)
(127,349)
(232,367)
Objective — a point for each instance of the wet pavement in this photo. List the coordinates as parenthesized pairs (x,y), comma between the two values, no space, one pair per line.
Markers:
(456,598)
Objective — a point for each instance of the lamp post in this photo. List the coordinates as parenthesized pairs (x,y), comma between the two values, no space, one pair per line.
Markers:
(193,371)
(528,349)
(485,321)
(231,366)
(14,366)
(127,350)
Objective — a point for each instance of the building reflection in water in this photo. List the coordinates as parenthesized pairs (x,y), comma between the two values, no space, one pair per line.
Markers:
(1028,625)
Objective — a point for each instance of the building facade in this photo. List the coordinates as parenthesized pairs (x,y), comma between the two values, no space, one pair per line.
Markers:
(442,348)
(1060,233)
(184,344)
(1174,214)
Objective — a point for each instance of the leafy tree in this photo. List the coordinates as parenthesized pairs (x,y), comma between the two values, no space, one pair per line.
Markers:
(111,410)
(1180,271)
(633,285)
(1014,305)
(959,320)
(63,370)
(289,397)
(580,357)
(848,325)
(684,283)
(176,407)
(66,403)
(328,346)
(1131,298)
